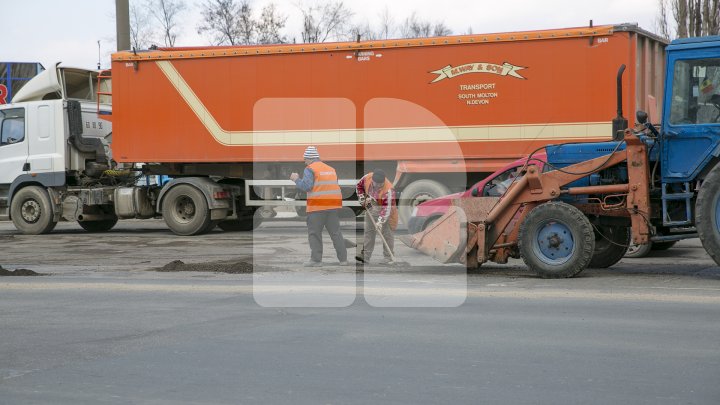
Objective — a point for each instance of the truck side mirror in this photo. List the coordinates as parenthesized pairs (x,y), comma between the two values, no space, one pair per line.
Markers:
(642,116)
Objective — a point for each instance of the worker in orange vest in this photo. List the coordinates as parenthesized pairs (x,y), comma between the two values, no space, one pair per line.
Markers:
(324,201)
(377,195)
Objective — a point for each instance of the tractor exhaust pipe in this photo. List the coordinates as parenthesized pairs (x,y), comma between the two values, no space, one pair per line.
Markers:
(619,123)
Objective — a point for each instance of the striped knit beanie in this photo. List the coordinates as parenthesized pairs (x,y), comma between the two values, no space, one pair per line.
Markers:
(311,153)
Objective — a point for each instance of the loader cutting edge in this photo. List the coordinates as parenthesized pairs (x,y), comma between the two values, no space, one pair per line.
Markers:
(445,239)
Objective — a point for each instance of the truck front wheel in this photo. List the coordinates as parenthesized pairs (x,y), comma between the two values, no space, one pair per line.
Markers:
(31,211)
(556,240)
(186,211)
(707,214)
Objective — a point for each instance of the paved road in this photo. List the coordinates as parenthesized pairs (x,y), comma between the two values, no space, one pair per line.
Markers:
(104,329)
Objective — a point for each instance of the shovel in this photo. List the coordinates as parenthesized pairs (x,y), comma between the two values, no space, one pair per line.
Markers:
(393,262)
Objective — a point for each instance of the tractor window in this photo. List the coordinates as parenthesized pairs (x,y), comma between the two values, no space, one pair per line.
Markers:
(696,92)
(499,185)
(12,126)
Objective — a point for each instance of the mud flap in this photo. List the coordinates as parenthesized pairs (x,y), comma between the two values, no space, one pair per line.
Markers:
(445,239)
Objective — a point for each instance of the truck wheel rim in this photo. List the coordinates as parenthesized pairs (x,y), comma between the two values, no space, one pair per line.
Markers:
(30,211)
(554,243)
(184,211)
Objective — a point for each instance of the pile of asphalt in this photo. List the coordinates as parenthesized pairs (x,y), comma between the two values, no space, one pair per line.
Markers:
(230,267)
(20,272)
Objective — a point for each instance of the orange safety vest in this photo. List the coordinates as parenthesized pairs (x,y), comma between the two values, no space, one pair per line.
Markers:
(325,194)
(393,219)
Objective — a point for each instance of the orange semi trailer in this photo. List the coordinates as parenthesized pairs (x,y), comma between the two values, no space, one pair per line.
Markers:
(439,112)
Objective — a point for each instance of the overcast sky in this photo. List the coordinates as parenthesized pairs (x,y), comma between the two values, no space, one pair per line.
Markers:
(49,31)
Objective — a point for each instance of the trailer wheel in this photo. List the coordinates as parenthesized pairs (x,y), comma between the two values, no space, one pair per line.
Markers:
(185,210)
(707,214)
(611,243)
(556,240)
(31,211)
(98,226)
(416,193)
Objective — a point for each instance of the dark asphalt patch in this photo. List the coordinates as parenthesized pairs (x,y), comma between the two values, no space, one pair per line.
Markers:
(20,272)
(230,267)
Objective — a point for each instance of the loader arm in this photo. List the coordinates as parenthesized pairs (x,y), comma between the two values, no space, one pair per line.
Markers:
(478,229)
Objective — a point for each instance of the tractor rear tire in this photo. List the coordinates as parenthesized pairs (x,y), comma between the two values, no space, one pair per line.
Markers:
(556,240)
(611,243)
(707,214)
(31,211)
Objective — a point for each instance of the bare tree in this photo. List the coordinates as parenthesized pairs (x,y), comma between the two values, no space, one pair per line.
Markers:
(662,25)
(414,27)
(441,30)
(167,13)
(325,21)
(386,27)
(246,24)
(141,32)
(692,18)
(269,26)
(363,31)
(220,20)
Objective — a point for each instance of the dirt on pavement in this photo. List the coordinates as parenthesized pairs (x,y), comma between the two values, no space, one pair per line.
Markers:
(230,267)
(20,272)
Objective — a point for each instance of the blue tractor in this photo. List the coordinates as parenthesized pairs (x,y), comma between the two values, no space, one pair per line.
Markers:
(650,184)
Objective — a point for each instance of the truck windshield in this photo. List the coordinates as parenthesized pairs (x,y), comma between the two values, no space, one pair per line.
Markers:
(696,92)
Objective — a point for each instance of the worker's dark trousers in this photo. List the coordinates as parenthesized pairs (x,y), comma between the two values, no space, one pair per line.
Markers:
(369,240)
(329,219)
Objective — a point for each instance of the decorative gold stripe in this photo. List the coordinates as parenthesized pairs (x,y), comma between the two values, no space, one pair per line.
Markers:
(487,133)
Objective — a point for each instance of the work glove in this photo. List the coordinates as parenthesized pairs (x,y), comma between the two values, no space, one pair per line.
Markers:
(380,223)
(361,199)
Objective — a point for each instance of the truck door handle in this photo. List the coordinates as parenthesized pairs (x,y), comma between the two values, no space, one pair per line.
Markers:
(26,167)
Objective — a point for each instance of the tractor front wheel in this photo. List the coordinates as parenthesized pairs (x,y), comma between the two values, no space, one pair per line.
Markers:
(556,240)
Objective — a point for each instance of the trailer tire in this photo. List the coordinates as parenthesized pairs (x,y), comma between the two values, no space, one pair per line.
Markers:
(186,211)
(416,193)
(611,243)
(31,211)
(707,214)
(98,226)
(556,240)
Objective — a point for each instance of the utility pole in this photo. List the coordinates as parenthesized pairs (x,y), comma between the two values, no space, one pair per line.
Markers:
(122,23)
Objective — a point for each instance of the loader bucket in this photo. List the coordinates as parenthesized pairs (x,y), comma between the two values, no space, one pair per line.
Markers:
(445,239)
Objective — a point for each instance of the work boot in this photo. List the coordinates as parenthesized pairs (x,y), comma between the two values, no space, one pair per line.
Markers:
(312,263)
(386,261)
(362,259)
